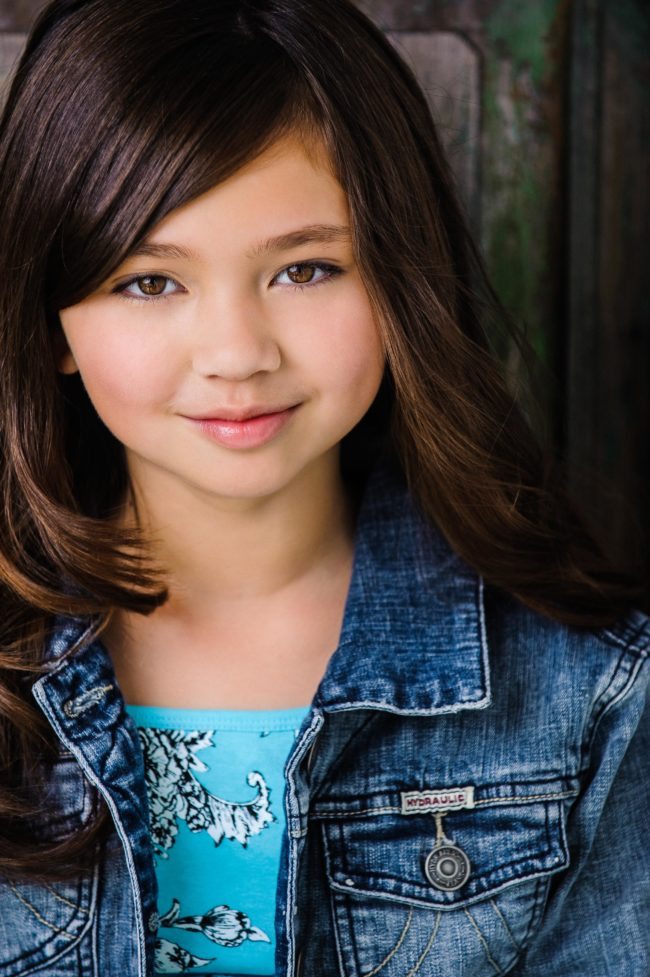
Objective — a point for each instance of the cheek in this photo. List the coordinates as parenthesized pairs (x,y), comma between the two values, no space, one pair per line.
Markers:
(354,358)
(121,373)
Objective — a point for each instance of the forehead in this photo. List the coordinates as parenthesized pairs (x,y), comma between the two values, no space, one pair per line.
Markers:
(288,186)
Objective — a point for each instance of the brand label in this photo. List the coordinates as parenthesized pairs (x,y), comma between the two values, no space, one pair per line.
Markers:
(430,801)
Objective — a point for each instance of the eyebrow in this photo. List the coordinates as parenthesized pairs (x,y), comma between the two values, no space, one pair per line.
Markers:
(150,250)
(311,234)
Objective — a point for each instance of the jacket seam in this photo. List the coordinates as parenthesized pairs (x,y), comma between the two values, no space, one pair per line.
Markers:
(56,930)
(428,904)
(485,649)
(536,916)
(603,704)
(81,642)
(610,637)
(452,708)
(334,910)
(43,700)
(487,802)
(483,942)
(332,768)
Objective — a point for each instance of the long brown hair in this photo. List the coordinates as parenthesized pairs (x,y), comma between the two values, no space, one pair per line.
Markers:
(121,112)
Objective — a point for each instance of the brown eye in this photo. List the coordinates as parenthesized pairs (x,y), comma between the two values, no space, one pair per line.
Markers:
(152,284)
(301,274)
(306,273)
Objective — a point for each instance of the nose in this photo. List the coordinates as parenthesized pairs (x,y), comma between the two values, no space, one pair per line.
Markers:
(234,340)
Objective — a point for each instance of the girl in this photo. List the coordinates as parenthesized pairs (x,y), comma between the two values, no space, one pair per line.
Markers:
(307,666)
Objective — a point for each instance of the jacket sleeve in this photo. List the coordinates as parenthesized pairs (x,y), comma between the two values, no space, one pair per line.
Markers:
(597,917)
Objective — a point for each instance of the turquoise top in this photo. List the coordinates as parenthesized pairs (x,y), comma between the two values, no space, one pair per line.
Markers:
(215,783)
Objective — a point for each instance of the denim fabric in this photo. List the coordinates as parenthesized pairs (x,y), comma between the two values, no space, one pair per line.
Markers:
(527,733)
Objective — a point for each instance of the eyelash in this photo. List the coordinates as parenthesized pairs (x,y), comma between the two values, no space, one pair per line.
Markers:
(331,272)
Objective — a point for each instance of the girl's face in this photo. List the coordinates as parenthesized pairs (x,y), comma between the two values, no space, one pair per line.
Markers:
(233,351)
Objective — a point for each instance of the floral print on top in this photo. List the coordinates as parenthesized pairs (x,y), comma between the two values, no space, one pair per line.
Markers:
(215,785)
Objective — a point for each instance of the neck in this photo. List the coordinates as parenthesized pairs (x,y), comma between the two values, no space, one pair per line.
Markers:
(216,550)
(257,591)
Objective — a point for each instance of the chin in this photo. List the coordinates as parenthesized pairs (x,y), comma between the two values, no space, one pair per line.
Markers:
(249,481)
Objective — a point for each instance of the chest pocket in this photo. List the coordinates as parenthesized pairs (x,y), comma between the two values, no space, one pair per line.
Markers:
(43,925)
(488,888)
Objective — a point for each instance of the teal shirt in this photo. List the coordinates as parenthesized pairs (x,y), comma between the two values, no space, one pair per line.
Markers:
(215,784)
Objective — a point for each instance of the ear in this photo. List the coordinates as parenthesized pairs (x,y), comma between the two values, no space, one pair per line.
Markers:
(63,357)
(67,364)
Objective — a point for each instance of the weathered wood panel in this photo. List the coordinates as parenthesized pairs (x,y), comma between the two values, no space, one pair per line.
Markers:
(19,15)
(11,46)
(516,159)
(623,433)
(563,207)
(448,67)
(608,403)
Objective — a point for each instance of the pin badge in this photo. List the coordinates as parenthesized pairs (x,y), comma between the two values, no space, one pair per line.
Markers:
(446,867)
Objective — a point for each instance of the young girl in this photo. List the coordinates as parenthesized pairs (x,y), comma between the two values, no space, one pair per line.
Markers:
(307,666)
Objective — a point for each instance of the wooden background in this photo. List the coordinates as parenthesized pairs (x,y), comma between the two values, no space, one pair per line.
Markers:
(543,108)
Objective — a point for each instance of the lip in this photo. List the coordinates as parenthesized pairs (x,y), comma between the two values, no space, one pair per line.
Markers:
(250,427)
(240,413)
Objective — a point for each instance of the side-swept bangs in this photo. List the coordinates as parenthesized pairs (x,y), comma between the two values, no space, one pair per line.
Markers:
(129,139)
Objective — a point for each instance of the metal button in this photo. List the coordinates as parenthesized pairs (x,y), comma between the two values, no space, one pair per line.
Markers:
(447,867)
(73,708)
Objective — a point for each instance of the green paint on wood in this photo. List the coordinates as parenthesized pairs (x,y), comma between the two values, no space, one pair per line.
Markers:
(517,200)
(519,164)
(631,16)
(520,31)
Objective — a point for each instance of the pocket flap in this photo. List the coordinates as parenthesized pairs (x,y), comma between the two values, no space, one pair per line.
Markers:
(508,836)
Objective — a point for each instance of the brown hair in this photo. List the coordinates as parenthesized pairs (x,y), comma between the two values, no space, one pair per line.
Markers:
(121,112)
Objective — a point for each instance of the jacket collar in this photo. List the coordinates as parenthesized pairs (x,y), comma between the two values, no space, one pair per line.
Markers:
(413,637)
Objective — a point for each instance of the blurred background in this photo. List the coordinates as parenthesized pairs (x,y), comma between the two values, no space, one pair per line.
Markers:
(544,111)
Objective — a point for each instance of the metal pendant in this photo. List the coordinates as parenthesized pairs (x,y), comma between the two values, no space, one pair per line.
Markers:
(447,867)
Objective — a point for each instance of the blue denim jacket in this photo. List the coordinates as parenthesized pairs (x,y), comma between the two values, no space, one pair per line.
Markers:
(468,795)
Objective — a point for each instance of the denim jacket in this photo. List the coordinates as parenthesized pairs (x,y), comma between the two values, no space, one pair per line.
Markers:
(468,795)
